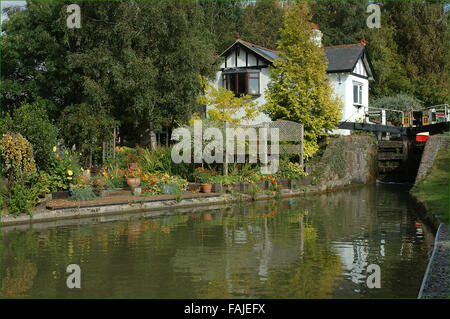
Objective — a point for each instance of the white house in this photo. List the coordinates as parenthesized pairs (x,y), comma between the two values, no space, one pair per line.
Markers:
(244,69)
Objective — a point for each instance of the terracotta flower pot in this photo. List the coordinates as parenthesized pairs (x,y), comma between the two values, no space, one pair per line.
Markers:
(133,181)
(207,216)
(206,188)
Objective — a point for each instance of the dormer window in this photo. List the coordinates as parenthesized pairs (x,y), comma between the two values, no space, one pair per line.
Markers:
(242,82)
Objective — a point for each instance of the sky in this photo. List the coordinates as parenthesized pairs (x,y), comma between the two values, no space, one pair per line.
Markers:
(6,4)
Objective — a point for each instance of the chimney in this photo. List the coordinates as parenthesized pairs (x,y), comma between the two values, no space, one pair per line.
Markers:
(317,35)
(363,41)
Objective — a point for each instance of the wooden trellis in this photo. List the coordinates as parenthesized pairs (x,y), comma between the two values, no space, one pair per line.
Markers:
(288,132)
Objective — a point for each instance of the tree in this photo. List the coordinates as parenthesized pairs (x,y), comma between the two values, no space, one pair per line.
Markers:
(221,21)
(262,22)
(34,59)
(226,106)
(400,102)
(32,122)
(422,37)
(341,22)
(391,76)
(299,90)
(132,64)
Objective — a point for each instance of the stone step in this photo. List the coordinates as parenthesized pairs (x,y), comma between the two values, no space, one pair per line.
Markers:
(387,169)
(390,144)
(389,156)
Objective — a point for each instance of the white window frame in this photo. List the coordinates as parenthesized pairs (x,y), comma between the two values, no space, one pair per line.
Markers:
(360,94)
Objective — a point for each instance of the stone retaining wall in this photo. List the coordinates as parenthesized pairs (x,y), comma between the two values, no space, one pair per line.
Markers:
(432,147)
(348,160)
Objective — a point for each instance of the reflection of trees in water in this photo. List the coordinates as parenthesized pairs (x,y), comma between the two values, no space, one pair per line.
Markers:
(18,269)
(18,279)
(284,249)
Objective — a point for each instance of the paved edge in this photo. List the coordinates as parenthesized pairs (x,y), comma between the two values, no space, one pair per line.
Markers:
(96,211)
(435,282)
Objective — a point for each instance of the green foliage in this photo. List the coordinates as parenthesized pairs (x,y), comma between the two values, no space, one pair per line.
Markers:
(334,163)
(299,91)
(433,190)
(254,190)
(32,122)
(226,179)
(17,158)
(262,22)
(32,39)
(23,197)
(391,75)
(422,35)
(132,65)
(226,106)
(63,169)
(160,160)
(400,102)
(409,52)
(289,170)
(113,183)
(203,175)
(341,22)
(221,20)
(81,193)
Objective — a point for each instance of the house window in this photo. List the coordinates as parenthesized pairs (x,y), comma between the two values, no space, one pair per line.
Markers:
(357,94)
(242,83)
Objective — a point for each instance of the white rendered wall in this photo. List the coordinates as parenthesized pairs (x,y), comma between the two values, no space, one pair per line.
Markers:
(341,83)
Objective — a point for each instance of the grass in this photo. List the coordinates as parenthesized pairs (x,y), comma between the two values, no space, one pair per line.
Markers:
(433,190)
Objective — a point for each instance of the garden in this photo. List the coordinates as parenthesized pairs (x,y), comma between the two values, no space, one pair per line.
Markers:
(34,173)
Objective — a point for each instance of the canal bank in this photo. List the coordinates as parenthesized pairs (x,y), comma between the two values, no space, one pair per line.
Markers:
(347,161)
(431,189)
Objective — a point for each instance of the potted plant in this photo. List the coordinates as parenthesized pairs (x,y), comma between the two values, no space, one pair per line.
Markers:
(203,176)
(132,162)
(100,187)
(133,177)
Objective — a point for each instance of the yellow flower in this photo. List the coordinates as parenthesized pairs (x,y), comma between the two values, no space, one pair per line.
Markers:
(69,178)
(70,172)
(88,171)
(54,148)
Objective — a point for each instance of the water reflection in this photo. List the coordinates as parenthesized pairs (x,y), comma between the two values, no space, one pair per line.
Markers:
(313,247)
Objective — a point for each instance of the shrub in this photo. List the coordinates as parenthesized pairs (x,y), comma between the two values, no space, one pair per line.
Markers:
(203,175)
(63,170)
(290,170)
(17,158)
(153,184)
(23,198)
(400,102)
(81,193)
(160,160)
(32,122)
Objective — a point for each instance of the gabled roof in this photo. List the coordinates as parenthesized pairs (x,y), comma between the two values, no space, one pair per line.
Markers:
(341,58)
(265,53)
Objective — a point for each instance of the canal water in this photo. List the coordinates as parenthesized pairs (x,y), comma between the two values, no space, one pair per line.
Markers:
(308,247)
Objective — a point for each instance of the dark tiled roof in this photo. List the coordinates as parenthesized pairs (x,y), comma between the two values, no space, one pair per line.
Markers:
(271,54)
(342,58)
